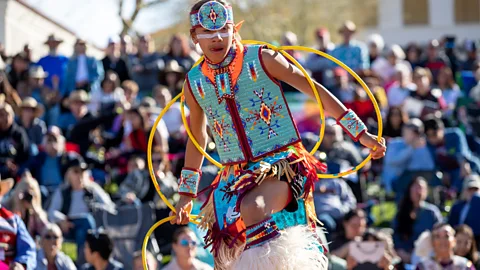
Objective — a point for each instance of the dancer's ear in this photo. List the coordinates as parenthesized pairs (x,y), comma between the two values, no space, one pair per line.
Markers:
(193,35)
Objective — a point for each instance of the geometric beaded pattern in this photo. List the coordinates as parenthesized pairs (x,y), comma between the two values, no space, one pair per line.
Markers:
(352,125)
(188,183)
(261,233)
(212,16)
(260,115)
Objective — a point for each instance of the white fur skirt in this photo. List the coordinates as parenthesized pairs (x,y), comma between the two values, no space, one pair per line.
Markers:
(297,248)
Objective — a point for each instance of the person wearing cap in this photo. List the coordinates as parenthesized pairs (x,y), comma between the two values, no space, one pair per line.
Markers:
(73,202)
(319,65)
(17,248)
(408,153)
(342,88)
(46,165)
(30,119)
(465,211)
(53,63)
(14,143)
(351,52)
(113,61)
(82,72)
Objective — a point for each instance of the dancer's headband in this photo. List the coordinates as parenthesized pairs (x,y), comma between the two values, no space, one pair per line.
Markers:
(212,16)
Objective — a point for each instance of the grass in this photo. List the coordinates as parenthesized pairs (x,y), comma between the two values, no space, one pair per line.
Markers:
(70,249)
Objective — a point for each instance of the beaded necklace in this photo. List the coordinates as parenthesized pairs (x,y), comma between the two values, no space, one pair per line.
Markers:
(223,75)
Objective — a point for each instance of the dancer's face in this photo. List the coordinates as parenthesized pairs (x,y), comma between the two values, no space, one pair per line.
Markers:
(214,44)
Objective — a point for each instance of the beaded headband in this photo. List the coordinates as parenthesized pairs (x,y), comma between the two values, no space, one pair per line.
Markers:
(212,16)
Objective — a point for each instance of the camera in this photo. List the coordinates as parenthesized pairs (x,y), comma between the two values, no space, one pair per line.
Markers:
(26,196)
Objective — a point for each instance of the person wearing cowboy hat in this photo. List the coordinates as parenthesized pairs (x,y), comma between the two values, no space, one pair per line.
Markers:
(172,76)
(77,102)
(36,84)
(14,143)
(82,71)
(351,52)
(17,248)
(30,113)
(53,63)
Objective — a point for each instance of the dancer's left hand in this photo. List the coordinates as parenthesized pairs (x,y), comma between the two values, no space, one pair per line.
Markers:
(377,149)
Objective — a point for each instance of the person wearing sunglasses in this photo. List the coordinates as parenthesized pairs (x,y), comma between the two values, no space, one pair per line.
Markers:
(50,256)
(184,246)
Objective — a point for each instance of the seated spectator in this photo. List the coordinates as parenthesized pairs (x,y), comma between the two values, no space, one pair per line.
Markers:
(431,98)
(387,67)
(14,143)
(145,65)
(388,259)
(343,89)
(184,248)
(434,60)
(26,202)
(19,69)
(464,211)
(77,102)
(110,93)
(317,64)
(16,242)
(333,199)
(46,165)
(98,250)
(50,255)
(173,117)
(36,85)
(30,119)
(443,244)
(376,44)
(409,153)
(450,90)
(113,62)
(472,59)
(395,120)
(137,186)
(466,246)
(130,90)
(351,51)
(450,150)
(413,54)
(152,263)
(401,88)
(180,51)
(172,77)
(414,216)
(354,226)
(72,203)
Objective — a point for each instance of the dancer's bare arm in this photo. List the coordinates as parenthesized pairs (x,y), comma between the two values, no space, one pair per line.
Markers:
(193,158)
(282,70)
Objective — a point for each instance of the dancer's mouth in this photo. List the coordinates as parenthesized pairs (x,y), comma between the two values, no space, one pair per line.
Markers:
(217,49)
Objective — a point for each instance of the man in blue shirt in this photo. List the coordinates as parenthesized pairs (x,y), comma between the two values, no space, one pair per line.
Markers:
(53,63)
(351,52)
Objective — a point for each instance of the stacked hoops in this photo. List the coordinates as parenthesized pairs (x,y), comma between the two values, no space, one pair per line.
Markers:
(194,218)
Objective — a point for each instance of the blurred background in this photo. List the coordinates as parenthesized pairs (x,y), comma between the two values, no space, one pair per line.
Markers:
(82,82)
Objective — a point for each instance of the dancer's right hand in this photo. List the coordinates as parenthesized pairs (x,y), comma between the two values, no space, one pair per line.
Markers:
(182,209)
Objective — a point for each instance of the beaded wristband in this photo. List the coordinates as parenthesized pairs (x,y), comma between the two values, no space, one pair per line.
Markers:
(188,183)
(352,125)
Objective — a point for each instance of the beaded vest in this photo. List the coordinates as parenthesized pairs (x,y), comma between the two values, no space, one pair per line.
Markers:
(248,118)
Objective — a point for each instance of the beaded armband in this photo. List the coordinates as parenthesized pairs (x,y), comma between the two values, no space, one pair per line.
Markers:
(352,125)
(188,183)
